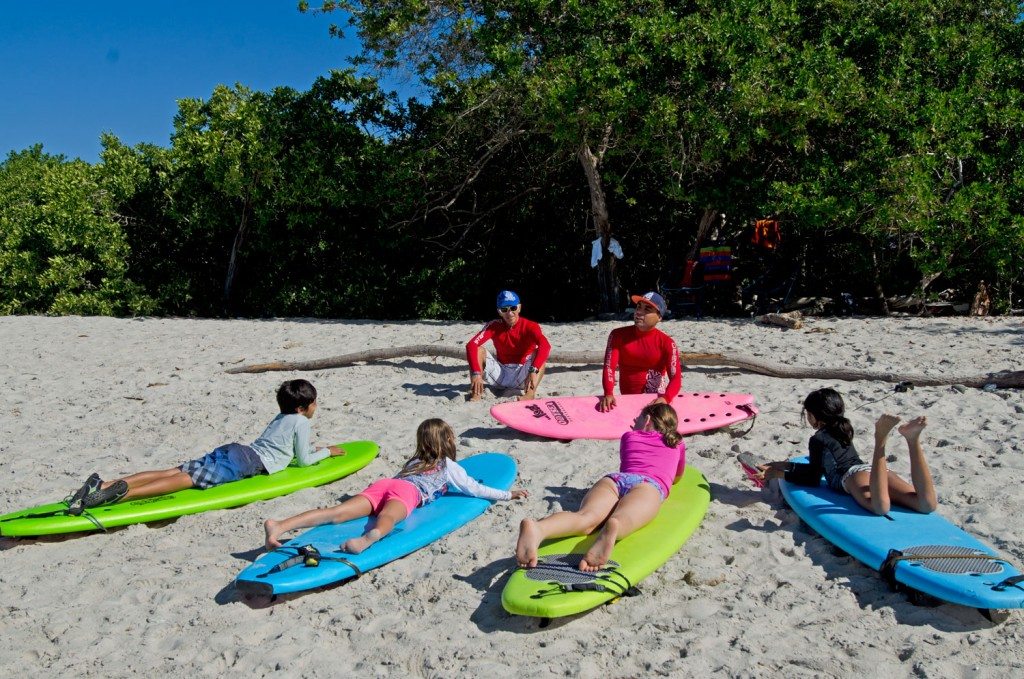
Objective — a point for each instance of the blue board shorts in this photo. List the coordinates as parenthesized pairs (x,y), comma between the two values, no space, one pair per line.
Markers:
(230,462)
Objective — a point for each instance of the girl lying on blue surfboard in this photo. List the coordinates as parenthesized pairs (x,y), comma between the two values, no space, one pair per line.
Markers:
(652,457)
(831,451)
(424,478)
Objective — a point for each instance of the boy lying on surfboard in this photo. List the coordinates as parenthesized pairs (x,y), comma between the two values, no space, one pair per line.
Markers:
(285,438)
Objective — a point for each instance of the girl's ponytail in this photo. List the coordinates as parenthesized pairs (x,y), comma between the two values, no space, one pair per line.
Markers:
(664,421)
(841,429)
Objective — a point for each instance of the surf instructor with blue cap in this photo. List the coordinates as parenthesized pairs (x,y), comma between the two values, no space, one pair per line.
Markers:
(521,350)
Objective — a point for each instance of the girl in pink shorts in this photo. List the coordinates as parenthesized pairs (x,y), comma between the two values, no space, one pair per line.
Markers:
(423,479)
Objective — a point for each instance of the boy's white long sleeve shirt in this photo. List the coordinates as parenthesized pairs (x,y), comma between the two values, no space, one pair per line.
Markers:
(287,438)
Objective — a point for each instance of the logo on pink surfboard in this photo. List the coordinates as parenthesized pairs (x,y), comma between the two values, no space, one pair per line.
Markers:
(557,412)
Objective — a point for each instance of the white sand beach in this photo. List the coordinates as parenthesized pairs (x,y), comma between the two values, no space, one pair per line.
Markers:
(753,593)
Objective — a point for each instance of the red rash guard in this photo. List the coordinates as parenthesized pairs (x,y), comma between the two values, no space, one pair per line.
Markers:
(637,354)
(512,345)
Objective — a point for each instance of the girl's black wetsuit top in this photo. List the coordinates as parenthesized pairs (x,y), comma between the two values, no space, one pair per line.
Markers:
(828,456)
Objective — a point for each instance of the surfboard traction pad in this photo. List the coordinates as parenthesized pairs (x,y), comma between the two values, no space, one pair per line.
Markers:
(564,569)
(985,563)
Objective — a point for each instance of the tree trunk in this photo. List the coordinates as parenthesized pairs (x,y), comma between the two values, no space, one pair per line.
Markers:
(877,274)
(607,281)
(229,279)
(707,220)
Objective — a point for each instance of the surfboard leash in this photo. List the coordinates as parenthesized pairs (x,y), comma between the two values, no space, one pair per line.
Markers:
(310,557)
(1009,582)
(610,585)
(753,419)
(898,388)
(94,520)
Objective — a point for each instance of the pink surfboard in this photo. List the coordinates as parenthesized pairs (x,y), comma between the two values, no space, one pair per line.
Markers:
(577,417)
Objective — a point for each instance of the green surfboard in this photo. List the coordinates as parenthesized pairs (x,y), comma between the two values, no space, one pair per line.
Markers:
(53,519)
(538,592)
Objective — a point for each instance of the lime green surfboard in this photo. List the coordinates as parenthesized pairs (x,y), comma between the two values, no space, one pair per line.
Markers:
(53,519)
(535,591)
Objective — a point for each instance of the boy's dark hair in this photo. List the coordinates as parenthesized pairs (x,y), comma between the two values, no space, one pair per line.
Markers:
(295,394)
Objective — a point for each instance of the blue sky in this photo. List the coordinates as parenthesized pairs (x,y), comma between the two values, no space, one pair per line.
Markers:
(70,70)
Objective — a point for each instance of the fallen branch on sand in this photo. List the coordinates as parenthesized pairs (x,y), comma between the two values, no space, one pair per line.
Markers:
(1003,379)
(790,319)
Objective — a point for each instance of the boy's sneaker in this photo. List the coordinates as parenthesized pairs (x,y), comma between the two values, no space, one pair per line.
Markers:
(105,496)
(76,501)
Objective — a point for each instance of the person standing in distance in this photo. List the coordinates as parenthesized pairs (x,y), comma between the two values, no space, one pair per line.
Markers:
(521,350)
(643,355)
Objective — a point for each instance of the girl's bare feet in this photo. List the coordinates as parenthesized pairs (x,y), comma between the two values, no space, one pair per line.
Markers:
(357,545)
(272,531)
(599,553)
(883,426)
(526,545)
(912,429)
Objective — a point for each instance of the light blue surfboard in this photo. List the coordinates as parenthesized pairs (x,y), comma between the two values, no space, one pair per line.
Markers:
(423,526)
(984,583)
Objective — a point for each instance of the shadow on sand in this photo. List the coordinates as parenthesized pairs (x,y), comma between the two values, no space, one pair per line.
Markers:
(909,607)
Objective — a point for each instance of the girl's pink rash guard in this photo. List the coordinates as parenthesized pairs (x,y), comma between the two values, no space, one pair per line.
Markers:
(644,452)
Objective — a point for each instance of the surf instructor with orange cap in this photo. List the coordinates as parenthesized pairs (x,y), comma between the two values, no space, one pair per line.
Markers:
(647,359)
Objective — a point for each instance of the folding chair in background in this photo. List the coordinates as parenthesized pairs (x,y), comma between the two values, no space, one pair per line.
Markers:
(716,261)
(689,291)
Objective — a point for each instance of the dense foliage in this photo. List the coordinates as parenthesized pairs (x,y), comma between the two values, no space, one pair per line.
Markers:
(885,136)
(64,247)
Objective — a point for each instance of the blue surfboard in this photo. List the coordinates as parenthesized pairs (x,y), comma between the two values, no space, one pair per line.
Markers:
(936,555)
(285,569)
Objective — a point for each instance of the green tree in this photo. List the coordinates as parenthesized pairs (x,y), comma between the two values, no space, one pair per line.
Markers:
(907,136)
(850,120)
(575,72)
(230,140)
(286,185)
(64,249)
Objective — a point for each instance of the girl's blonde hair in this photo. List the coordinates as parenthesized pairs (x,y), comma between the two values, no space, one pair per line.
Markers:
(664,421)
(435,441)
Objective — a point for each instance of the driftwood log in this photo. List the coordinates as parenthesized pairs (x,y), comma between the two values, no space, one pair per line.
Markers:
(751,364)
(789,319)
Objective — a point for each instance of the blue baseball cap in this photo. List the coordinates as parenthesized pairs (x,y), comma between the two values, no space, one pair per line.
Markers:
(651,299)
(507,298)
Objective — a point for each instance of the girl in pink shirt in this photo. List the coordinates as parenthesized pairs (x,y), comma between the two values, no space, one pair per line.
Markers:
(429,474)
(651,458)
